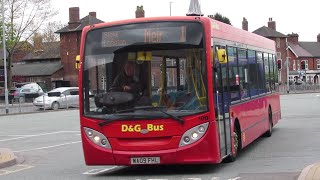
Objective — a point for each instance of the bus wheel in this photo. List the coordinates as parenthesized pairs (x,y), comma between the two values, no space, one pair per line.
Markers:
(269,132)
(236,145)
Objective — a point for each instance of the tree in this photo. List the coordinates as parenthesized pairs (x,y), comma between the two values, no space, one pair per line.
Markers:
(23,18)
(221,18)
(48,33)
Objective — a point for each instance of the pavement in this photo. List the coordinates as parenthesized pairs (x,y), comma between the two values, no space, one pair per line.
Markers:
(311,172)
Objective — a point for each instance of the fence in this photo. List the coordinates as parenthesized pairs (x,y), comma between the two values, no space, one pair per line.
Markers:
(303,88)
(25,105)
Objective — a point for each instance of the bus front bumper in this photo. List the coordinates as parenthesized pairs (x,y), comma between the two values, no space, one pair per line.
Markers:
(201,152)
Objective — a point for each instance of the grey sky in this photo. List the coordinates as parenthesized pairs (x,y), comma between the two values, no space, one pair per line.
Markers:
(290,16)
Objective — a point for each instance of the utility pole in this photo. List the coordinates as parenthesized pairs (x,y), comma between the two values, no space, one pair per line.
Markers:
(5,62)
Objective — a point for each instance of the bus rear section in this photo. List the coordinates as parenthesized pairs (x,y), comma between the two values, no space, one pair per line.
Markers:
(145,94)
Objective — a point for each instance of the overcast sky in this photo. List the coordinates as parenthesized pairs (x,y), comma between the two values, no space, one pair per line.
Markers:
(300,17)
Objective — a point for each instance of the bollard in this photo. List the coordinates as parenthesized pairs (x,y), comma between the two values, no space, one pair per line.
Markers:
(19,105)
(65,97)
(44,104)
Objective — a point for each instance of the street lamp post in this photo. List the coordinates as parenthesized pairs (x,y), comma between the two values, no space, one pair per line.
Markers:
(5,61)
(287,66)
(170,8)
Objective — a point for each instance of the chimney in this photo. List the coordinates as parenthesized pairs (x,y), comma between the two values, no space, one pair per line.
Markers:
(93,14)
(318,38)
(139,12)
(293,38)
(194,8)
(272,24)
(74,21)
(37,42)
(245,24)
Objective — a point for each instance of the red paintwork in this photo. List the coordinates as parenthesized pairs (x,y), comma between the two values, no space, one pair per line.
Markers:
(253,116)
(165,143)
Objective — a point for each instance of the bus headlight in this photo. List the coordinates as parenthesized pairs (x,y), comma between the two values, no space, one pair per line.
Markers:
(97,138)
(193,134)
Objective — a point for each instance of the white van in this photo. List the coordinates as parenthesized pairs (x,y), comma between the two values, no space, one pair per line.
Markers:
(33,86)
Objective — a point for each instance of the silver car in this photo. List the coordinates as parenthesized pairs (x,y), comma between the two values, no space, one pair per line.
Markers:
(62,97)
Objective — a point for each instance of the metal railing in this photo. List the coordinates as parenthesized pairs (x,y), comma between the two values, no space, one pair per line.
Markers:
(25,105)
(302,88)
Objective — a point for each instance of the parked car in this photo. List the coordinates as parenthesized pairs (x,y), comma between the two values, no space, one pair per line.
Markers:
(62,97)
(22,94)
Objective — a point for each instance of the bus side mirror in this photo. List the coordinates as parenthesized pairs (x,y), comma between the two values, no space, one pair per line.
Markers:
(222,56)
(77,61)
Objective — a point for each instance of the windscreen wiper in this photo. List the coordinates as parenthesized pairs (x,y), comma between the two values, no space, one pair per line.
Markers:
(153,107)
(127,117)
(121,117)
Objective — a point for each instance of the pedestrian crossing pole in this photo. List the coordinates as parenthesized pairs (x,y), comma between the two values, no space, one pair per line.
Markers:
(287,65)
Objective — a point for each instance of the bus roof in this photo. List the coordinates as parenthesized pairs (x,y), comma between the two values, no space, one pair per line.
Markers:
(218,30)
(229,33)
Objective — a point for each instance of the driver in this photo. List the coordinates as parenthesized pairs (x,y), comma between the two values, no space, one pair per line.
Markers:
(126,81)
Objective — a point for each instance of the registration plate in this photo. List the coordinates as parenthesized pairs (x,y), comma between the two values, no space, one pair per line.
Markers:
(145,160)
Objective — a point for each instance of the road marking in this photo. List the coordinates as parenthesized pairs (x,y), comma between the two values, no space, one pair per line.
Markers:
(103,170)
(215,178)
(235,178)
(19,168)
(36,135)
(47,147)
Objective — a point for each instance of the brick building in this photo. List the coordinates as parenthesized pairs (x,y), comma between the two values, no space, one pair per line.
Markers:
(70,38)
(306,53)
(281,44)
(42,64)
(297,52)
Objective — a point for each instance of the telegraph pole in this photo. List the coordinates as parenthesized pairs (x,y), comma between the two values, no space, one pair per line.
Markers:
(5,62)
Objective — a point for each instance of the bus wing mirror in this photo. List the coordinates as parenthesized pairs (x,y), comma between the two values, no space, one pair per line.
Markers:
(222,56)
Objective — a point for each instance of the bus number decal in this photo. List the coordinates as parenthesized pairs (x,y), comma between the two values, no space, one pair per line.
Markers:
(203,118)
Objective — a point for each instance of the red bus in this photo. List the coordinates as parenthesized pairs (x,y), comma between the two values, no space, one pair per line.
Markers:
(199,91)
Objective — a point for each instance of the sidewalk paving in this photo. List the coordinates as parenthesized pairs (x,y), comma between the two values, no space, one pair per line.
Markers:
(7,158)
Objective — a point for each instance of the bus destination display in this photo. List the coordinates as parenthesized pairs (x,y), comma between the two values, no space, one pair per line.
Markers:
(146,36)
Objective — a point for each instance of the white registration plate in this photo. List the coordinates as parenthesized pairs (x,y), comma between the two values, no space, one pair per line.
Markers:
(145,160)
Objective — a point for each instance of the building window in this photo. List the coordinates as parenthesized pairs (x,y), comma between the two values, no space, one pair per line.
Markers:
(278,42)
(103,83)
(181,79)
(152,80)
(318,63)
(306,64)
(294,65)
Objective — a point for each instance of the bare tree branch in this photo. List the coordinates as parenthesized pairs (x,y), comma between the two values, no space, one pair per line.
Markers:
(25,17)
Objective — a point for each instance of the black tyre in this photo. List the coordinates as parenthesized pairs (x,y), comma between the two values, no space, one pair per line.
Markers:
(269,132)
(55,106)
(237,145)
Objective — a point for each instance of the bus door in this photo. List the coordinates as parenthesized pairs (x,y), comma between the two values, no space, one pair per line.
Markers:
(222,103)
